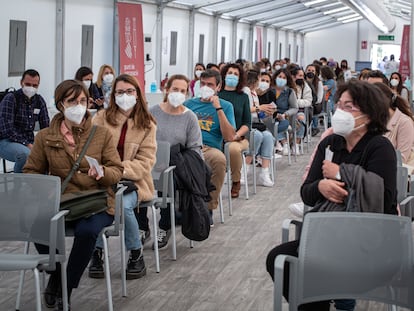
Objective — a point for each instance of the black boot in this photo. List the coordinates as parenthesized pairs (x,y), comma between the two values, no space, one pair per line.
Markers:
(136,266)
(59,301)
(51,291)
(96,270)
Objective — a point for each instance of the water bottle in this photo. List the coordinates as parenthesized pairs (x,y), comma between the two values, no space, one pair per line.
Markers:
(153,87)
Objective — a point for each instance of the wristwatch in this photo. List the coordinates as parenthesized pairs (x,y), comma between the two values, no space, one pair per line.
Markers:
(338,176)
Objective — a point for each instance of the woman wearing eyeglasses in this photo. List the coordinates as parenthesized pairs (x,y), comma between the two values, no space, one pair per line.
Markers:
(133,130)
(55,150)
(357,145)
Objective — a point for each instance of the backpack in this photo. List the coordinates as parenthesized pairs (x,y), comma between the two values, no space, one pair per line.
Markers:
(317,107)
(7,91)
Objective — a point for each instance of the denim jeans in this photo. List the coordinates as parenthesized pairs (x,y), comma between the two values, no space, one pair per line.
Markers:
(14,152)
(132,240)
(300,130)
(264,143)
(281,128)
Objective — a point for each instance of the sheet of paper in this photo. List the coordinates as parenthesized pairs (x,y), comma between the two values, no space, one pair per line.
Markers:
(93,163)
(328,153)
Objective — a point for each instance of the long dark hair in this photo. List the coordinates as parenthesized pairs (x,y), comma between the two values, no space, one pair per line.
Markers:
(141,115)
(395,101)
(400,85)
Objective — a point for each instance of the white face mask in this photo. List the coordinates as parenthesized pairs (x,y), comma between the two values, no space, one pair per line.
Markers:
(29,91)
(87,83)
(125,101)
(343,122)
(277,67)
(394,82)
(198,73)
(206,92)
(263,85)
(75,114)
(108,78)
(176,99)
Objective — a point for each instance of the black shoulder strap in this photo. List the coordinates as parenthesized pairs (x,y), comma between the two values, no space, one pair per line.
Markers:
(76,164)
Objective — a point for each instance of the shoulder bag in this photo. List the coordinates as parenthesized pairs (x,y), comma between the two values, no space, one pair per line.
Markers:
(82,204)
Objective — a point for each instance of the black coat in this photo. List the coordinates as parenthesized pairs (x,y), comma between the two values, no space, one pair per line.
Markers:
(192,178)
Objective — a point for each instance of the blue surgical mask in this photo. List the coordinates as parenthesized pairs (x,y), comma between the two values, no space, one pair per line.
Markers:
(280,82)
(232,80)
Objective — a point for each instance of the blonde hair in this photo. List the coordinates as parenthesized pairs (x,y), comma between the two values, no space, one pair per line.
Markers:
(100,74)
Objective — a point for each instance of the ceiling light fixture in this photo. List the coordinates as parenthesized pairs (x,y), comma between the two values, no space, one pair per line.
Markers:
(344,8)
(348,16)
(351,19)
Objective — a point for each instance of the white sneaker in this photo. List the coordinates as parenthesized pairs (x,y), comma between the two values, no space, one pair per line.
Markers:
(297,149)
(264,178)
(279,147)
(285,151)
(248,171)
(297,209)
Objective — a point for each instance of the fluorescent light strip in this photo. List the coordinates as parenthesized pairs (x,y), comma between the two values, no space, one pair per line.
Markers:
(348,16)
(344,8)
(310,3)
(351,19)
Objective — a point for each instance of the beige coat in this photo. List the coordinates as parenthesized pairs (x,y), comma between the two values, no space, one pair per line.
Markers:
(139,152)
(51,154)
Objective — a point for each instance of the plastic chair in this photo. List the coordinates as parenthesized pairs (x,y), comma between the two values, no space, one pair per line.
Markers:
(350,255)
(30,213)
(5,167)
(163,178)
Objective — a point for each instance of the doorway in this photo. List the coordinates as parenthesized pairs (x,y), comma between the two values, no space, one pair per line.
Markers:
(379,51)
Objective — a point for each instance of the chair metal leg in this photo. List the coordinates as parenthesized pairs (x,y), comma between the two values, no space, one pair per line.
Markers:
(289,153)
(174,244)
(254,176)
(107,272)
(155,228)
(123,262)
(21,281)
(221,208)
(229,192)
(244,168)
(65,286)
(37,290)
(272,168)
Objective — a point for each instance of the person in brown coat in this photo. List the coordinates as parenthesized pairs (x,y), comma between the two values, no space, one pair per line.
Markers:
(54,152)
(133,129)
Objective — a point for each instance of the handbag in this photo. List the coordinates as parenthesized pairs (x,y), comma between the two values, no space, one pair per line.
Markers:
(260,126)
(85,203)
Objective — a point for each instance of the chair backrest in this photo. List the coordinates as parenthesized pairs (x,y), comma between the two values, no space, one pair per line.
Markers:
(28,202)
(162,163)
(355,255)
(402,183)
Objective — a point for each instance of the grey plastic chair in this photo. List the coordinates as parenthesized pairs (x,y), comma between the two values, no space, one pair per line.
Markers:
(163,178)
(350,255)
(30,213)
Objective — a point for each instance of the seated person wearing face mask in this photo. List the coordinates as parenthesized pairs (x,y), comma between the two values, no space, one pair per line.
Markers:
(216,120)
(19,111)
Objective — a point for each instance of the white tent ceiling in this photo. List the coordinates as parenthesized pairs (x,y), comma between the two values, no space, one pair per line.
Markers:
(300,15)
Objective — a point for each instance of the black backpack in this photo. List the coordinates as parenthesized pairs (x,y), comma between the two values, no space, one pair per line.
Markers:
(7,91)
(317,107)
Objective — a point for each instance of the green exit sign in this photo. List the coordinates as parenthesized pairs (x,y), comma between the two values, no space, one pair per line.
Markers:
(386,37)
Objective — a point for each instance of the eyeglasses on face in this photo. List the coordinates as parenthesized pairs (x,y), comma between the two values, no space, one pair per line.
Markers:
(130,91)
(347,105)
(74,101)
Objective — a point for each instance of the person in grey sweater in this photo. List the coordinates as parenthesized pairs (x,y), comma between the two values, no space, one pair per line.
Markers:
(176,124)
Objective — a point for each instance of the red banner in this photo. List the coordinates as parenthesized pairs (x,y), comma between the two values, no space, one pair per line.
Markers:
(259,33)
(405,53)
(131,41)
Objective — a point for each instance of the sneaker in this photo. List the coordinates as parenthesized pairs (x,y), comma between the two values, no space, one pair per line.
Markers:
(277,156)
(296,149)
(144,236)
(315,131)
(59,305)
(96,269)
(51,290)
(285,150)
(279,147)
(297,209)
(264,178)
(163,236)
(248,172)
(136,266)
(235,189)
(210,212)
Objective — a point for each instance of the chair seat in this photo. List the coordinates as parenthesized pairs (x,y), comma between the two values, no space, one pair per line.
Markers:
(14,262)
